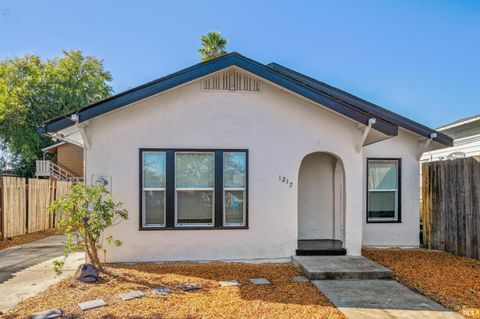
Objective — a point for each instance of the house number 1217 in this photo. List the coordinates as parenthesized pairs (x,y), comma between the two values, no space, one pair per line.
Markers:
(285,180)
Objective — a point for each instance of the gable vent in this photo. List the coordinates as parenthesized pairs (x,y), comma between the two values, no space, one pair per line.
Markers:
(231,81)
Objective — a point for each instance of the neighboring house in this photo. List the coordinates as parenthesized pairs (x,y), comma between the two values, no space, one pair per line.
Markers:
(233,159)
(466,140)
(68,165)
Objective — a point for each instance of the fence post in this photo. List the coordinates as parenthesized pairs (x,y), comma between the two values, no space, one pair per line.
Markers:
(53,190)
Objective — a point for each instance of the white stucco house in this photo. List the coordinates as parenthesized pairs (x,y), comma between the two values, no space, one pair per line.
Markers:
(234,159)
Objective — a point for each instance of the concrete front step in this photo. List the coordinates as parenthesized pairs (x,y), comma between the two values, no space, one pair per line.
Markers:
(320,247)
(341,267)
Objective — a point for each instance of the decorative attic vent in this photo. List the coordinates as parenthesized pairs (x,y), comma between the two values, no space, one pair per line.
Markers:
(231,81)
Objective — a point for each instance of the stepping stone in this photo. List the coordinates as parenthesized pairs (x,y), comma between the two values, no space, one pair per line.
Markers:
(260,281)
(91,304)
(300,279)
(161,290)
(229,283)
(190,287)
(52,313)
(132,295)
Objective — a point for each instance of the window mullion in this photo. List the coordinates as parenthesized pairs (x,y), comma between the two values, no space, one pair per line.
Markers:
(218,188)
(170,189)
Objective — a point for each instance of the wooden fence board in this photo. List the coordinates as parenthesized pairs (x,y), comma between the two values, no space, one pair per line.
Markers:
(52,199)
(14,207)
(451,206)
(61,189)
(38,203)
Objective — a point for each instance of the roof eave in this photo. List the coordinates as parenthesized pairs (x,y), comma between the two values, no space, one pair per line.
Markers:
(200,70)
(374,110)
(359,111)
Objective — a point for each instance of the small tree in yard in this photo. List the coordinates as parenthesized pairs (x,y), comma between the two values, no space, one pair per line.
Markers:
(84,214)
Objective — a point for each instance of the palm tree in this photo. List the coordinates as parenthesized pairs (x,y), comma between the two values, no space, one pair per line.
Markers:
(213,46)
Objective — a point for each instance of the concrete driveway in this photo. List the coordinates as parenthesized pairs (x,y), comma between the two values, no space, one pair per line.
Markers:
(26,270)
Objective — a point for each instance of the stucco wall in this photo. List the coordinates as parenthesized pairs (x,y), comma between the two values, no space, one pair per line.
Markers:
(405,233)
(278,128)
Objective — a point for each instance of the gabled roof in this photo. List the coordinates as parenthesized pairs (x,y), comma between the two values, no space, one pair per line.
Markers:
(339,101)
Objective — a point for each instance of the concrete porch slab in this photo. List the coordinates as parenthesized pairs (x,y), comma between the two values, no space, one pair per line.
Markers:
(378,299)
(341,267)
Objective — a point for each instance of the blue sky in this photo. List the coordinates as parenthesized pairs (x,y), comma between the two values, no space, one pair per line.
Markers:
(418,58)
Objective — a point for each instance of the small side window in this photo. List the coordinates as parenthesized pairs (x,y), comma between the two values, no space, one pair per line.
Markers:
(383,196)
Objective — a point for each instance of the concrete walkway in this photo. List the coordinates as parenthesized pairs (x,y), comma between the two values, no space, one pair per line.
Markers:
(26,270)
(363,289)
(378,299)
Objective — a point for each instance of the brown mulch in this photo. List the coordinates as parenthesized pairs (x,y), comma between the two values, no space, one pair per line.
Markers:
(283,299)
(448,279)
(23,239)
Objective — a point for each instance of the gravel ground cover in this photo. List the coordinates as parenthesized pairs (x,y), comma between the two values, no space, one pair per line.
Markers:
(450,280)
(284,298)
(27,238)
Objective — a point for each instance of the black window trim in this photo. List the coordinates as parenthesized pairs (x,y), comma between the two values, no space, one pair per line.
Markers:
(399,199)
(170,189)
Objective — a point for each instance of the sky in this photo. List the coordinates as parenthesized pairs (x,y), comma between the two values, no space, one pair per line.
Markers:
(420,59)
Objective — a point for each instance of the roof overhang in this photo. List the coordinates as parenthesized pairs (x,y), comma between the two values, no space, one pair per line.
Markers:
(361,111)
(52,148)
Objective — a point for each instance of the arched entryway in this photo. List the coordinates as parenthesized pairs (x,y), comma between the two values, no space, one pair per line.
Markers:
(321,197)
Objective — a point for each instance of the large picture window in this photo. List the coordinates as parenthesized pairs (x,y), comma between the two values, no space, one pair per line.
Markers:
(194,188)
(200,189)
(383,198)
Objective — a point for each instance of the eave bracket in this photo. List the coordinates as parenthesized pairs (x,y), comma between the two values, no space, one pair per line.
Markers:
(366,131)
(424,145)
(81,128)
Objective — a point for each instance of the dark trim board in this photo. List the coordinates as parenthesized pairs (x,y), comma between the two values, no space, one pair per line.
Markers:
(399,199)
(170,189)
(377,111)
(339,101)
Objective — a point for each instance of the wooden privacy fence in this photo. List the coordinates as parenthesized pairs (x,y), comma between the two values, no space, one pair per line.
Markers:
(24,203)
(451,206)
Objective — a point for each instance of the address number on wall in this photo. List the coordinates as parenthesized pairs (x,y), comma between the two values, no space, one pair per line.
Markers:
(285,180)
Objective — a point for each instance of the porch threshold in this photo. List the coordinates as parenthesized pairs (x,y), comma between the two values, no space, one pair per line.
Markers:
(320,247)
(341,267)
